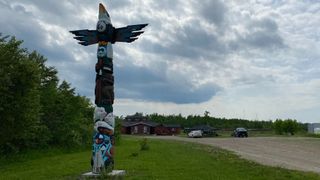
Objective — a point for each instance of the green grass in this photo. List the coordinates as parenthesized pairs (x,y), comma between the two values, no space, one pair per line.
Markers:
(163,160)
(313,135)
(45,165)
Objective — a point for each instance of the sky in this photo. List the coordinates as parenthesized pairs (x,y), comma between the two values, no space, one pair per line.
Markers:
(249,59)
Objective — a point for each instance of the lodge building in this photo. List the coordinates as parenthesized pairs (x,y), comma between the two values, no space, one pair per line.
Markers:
(139,124)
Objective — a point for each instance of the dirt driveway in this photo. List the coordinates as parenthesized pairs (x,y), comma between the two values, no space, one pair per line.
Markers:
(299,153)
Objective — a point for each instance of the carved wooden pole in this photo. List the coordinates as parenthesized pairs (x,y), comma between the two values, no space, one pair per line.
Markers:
(105,35)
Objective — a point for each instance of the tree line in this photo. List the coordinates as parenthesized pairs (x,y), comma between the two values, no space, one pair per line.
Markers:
(36,110)
(220,123)
(287,126)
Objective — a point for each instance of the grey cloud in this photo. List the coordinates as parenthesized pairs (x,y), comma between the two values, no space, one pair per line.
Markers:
(20,9)
(262,34)
(265,23)
(263,39)
(212,10)
(65,14)
(179,94)
(81,76)
(119,4)
(190,41)
(194,35)
(52,8)
(25,29)
(167,4)
(35,38)
(142,83)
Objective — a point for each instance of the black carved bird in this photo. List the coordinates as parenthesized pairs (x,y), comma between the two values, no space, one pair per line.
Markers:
(106,32)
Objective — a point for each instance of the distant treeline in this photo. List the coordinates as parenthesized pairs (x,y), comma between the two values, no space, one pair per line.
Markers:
(220,123)
(35,109)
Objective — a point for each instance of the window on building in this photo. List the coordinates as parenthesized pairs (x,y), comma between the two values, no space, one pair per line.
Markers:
(135,129)
(145,129)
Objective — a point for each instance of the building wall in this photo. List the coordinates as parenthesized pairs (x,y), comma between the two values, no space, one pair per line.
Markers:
(161,130)
(145,129)
(140,129)
(176,130)
(123,130)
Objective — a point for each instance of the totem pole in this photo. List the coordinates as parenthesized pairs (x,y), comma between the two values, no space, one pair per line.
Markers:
(105,35)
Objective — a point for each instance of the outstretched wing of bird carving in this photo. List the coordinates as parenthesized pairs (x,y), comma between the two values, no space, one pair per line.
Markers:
(86,37)
(125,34)
(129,33)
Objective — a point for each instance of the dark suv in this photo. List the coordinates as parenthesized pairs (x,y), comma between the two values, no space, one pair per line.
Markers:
(240,132)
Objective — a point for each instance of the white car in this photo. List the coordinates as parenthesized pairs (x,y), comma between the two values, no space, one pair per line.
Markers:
(196,133)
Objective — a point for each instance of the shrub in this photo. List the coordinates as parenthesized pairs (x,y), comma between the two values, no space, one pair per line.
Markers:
(277,125)
(287,126)
(144,144)
(134,154)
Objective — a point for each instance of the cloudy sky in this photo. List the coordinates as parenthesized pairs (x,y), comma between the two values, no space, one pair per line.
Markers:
(258,60)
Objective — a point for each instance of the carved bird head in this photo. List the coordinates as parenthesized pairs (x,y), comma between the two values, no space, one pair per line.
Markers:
(104,19)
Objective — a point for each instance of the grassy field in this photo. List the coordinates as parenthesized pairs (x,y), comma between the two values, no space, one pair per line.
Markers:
(53,164)
(163,160)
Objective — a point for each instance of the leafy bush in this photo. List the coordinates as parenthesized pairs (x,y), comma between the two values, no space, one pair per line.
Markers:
(287,126)
(144,144)
(277,126)
(117,130)
(134,154)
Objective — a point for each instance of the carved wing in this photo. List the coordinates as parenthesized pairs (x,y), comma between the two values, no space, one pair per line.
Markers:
(129,33)
(86,37)
(125,34)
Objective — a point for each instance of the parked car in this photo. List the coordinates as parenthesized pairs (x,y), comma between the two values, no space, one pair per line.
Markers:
(196,133)
(240,132)
(207,130)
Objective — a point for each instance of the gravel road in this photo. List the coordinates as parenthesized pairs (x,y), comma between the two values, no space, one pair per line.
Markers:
(299,153)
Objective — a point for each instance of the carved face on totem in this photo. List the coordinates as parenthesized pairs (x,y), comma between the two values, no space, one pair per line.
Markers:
(102,52)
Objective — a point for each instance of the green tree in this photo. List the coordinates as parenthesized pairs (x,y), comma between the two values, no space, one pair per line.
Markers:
(36,111)
(48,94)
(287,126)
(290,126)
(206,113)
(69,118)
(117,130)
(19,91)
(278,126)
